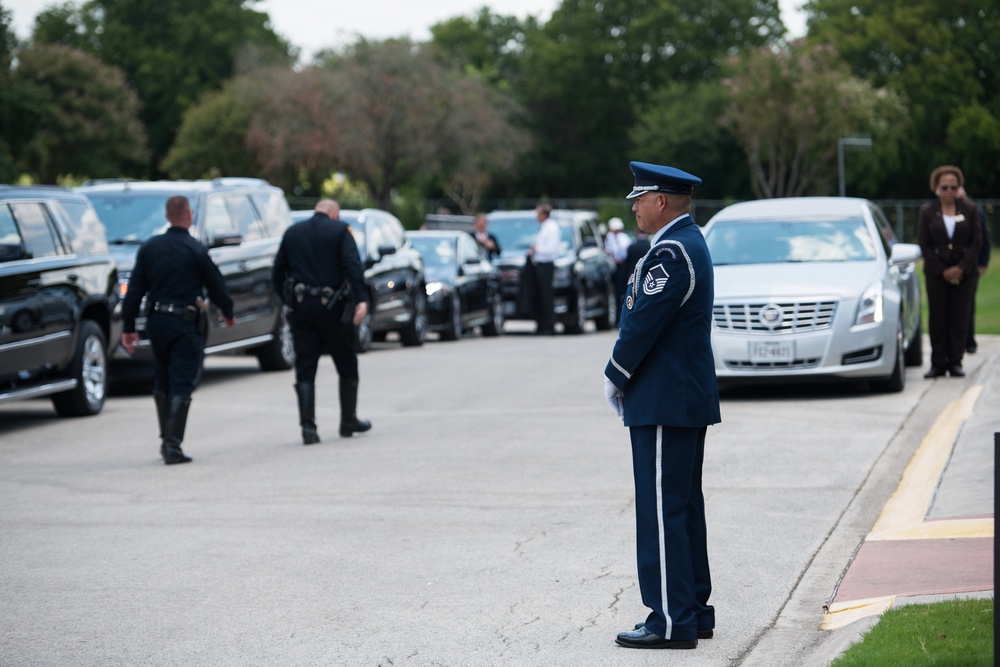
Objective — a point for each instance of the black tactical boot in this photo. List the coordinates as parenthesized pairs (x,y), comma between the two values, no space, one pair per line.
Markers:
(174,430)
(161,416)
(349,422)
(306,392)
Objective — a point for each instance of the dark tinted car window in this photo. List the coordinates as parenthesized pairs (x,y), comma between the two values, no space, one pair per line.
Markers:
(11,247)
(246,217)
(884,230)
(36,230)
(217,220)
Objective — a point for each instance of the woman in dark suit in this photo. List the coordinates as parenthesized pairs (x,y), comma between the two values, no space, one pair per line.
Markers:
(950,238)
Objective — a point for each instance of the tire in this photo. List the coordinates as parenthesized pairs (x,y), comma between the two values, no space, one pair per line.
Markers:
(279,353)
(915,352)
(897,380)
(494,327)
(415,331)
(454,329)
(609,318)
(580,312)
(90,370)
(364,335)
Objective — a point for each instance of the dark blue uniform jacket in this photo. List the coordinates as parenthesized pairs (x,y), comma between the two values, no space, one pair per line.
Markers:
(320,252)
(172,268)
(662,360)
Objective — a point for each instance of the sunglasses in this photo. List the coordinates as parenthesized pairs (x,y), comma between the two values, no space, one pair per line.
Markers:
(949,187)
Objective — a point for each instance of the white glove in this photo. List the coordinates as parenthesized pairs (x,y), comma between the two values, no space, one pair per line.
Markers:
(614,396)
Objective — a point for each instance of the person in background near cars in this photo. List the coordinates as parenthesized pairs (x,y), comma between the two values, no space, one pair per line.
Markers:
(170,270)
(950,238)
(636,251)
(617,243)
(488,242)
(319,275)
(661,382)
(543,254)
(984,263)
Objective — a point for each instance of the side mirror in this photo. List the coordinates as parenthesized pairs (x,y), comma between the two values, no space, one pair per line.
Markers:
(904,253)
(224,239)
(384,250)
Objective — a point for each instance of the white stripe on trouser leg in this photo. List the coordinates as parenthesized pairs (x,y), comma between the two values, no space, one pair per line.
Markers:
(664,604)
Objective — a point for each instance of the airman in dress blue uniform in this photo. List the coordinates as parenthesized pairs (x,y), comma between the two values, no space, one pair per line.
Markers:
(661,382)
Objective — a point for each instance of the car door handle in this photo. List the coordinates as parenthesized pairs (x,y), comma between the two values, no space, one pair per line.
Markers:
(34,282)
(244,266)
(73,278)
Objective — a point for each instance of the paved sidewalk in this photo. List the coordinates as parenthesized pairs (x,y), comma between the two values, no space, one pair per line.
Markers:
(935,535)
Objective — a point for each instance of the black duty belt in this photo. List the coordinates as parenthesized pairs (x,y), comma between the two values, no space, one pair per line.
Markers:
(325,295)
(175,309)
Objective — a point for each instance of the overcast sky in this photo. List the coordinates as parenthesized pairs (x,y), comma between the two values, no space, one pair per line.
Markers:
(312,25)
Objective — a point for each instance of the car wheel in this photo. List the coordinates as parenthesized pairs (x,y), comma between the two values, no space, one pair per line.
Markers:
(897,381)
(580,312)
(915,351)
(363,333)
(90,370)
(415,331)
(609,318)
(494,327)
(279,353)
(454,329)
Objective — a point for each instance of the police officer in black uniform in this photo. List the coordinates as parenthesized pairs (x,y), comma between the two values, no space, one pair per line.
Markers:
(171,269)
(318,272)
(661,382)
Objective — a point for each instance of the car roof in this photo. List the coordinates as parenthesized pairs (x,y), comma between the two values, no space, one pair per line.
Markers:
(438,233)
(179,187)
(792,207)
(558,214)
(42,191)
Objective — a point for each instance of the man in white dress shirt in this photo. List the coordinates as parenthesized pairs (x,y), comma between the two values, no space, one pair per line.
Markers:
(543,254)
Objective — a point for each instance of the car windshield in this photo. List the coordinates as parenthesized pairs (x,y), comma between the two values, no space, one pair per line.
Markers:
(516,235)
(438,254)
(776,241)
(131,218)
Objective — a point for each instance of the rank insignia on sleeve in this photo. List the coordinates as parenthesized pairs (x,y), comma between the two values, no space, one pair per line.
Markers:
(655,280)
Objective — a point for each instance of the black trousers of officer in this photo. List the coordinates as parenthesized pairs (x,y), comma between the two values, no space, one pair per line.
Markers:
(671,538)
(948,320)
(316,330)
(546,299)
(177,353)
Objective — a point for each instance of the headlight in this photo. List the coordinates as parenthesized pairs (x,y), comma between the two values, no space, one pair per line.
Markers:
(435,289)
(122,287)
(870,306)
(561,276)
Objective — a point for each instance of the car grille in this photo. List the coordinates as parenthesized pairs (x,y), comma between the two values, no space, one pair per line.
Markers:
(785,317)
(797,364)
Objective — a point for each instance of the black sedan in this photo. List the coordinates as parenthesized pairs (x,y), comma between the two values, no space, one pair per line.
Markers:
(463,288)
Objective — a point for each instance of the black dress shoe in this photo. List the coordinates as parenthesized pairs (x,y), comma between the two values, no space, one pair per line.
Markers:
(702,634)
(643,638)
(972,348)
(934,372)
(956,371)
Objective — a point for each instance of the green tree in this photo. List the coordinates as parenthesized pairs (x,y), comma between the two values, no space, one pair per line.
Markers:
(80,116)
(9,99)
(789,108)
(943,60)
(488,44)
(171,52)
(696,141)
(594,64)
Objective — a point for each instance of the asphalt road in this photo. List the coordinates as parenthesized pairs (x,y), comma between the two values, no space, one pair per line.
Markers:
(487,519)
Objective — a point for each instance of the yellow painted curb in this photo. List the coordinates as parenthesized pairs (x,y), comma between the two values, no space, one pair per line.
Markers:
(845,613)
(943,529)
(908,506)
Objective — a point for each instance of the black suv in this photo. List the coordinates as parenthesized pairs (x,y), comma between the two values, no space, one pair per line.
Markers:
(394,273)
(241,221)
(584,273)
(58,297)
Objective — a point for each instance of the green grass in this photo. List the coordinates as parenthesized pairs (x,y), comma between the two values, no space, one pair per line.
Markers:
(987,299)
(954,633)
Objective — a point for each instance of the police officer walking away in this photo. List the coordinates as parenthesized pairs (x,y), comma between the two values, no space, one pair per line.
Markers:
(661,382)
(318,270)
(171,269)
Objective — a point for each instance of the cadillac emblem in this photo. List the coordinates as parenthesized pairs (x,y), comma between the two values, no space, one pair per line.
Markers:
(771,316)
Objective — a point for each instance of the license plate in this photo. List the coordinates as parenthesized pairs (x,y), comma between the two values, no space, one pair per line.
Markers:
(772,350)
